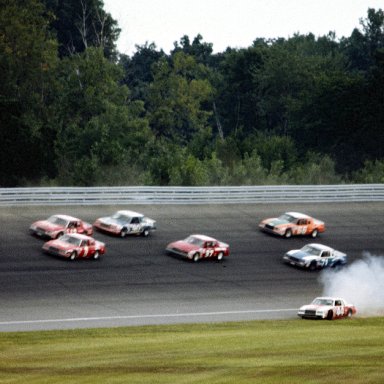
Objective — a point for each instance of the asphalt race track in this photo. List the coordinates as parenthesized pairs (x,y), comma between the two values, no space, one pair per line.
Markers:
(136,283)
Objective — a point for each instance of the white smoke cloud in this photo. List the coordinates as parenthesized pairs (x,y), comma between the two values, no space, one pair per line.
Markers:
(361,283)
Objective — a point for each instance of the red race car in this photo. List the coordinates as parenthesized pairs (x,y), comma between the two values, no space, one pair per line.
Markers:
(74,245)
(292,224)
(57,225)
(196,247)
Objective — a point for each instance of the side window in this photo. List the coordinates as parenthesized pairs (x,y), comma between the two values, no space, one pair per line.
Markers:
(135,220)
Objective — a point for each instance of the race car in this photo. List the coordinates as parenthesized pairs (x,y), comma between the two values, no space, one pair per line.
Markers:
(73,246)
(315,256)
(57,225)
(327,308)
(124,223)
(196,247)
(292,224)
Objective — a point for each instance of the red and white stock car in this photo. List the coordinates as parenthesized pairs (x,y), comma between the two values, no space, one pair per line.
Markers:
(196,247)
(73,246)
(57,225)
(327,308)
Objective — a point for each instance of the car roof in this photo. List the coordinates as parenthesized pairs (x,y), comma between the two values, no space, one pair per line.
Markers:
(67,217)
(328,298)
(129,213)
(204,237)
(298,215)
(320,246)
(79,236)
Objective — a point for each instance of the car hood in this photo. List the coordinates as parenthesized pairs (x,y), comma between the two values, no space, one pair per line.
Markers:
(314,307)
(276,221)
(111,221)
(183,246)
(63,245)
(47,226)
(299,254)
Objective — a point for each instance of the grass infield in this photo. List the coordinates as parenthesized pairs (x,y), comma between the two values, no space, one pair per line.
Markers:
(283,351)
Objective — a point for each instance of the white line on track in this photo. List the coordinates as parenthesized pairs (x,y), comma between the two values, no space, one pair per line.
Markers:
(166,315)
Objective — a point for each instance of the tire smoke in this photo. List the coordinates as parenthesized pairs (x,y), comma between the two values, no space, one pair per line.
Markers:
(361,284)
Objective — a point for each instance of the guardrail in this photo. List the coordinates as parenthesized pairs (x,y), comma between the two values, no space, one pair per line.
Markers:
(191,195)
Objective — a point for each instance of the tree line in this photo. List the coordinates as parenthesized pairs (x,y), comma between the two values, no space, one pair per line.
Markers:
(75,111)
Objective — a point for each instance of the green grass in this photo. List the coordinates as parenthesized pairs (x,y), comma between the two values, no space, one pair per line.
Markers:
(292,351)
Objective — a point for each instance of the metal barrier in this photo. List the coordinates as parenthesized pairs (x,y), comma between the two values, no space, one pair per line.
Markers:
(191,195)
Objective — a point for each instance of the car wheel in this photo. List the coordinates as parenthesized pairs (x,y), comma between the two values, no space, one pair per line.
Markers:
(330,315)
(314,233)
(196,257)
(349,314)
(313,266)
(145,233)
(288,234)
(72,256)
(96,255)
(123,232)
(220,256)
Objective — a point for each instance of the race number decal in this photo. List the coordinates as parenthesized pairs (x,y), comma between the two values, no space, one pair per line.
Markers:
(340,311)
(302,230)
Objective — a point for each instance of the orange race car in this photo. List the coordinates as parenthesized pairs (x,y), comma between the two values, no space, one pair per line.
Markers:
(291,224)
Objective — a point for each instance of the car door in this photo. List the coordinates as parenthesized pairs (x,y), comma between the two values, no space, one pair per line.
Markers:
(134,225)
(339,308)
(301,227)
(91,248)
(72,227)
(325,258)
(209,249)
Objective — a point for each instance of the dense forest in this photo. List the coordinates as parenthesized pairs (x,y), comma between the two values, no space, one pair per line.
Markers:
(74,111)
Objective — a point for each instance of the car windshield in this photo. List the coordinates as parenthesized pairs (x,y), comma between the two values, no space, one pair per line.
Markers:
(310,250)
(58,221)
(287,217)
(322,301)
(194,240)
(121,218)
(71,240)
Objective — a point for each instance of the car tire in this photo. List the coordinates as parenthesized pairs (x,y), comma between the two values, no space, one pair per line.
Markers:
(195,257)
(314,233)
(96,255)
(349,314)
(220,256)
(123,232)
(288,234)
(330,315)
(313,266)
(72,256)
(145,232)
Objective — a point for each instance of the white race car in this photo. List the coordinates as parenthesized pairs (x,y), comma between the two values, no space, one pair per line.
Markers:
(315,256)
(327,308)
(124,223)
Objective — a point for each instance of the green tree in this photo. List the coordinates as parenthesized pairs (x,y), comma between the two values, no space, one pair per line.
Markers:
(177,98)
(99,125)
(80,24)
(27,64)
(138,69)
